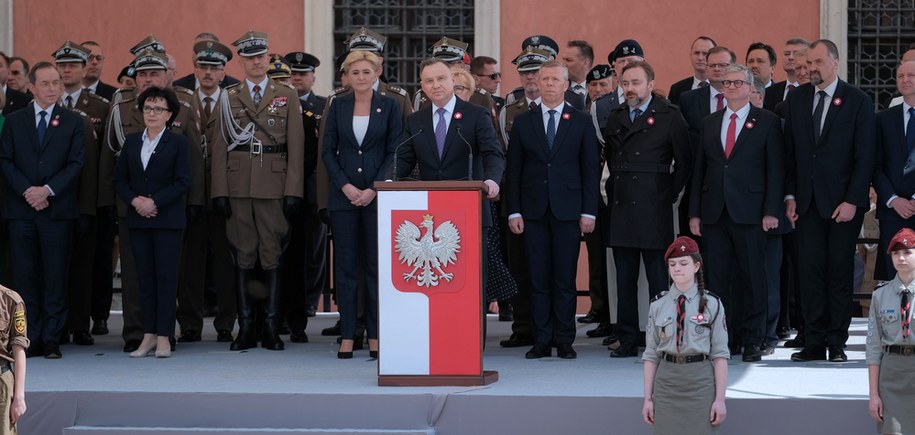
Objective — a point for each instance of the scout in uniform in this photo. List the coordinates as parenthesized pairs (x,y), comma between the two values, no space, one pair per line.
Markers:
(258,180)
(13,343)
(71,61)
(686,350)
(205,238)
(890,349)
(126,118)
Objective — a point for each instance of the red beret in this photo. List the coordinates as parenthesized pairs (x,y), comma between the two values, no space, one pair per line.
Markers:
(681,247)
(904,239)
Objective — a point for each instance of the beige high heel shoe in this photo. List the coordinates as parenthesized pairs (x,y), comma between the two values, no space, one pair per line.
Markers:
(162,343)
(147,346)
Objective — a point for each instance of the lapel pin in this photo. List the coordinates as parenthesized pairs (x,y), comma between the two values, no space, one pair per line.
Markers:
(837,101)
(749,125)
(458,115)
(650,120)
(378,110)
(566,116)
(56,121)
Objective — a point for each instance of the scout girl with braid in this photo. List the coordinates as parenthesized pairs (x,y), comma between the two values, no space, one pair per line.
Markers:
(686,352)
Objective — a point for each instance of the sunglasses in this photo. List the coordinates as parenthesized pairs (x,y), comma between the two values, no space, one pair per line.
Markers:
(492,76)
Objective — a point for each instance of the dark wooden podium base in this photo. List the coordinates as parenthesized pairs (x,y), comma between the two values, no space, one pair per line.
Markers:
(488,377)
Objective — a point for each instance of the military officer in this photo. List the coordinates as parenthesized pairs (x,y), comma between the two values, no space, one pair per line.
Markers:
(303,67)
(528,64)
(367,40)
(125,118)
(71,60)
(279,71)
(550,46)
(258,180)
(454,52)
(205,238)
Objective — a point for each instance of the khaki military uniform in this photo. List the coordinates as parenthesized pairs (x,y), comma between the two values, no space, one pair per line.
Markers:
(684,389)
(894,355)
(125,117)
(256,175)
(13,332)
(508,114)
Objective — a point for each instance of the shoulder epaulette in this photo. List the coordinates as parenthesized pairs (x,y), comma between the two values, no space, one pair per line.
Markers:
(398,90)
(659,296)
(309,113)
(881,284)
(183,90)
(92,96)
(81,113)
(521,103)
(186,104)
(481,91)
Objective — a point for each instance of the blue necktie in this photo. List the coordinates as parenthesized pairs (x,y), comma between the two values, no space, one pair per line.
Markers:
(818,115)
(635,113)
(42,127)
(551,128)
(440,131)
(910,130)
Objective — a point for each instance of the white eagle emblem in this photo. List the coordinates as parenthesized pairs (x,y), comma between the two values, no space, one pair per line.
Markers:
(431,252)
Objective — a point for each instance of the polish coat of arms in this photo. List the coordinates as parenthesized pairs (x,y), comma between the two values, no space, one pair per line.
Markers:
(430,253)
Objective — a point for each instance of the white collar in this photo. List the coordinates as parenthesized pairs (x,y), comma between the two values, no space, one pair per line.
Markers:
(449,106)
(262,84)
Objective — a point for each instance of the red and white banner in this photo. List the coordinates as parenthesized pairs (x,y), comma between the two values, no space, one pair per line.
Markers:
(429,272)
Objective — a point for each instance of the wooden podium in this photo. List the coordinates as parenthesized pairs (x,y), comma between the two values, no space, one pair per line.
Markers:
(430,297)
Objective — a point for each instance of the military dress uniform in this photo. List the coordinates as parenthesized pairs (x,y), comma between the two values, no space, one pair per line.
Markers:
(126,118)
(891,345)
(258,176)
(13,332)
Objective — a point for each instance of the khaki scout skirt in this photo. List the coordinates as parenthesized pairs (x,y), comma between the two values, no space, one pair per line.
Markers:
(683,396)
(897,390)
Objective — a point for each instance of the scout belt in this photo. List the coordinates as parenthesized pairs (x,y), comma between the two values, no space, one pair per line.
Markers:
(662,168)
(900,350)
(257,148)
(685,359)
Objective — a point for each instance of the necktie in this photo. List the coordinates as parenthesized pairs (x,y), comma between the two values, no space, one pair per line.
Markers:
(731,136)
(440,131)
(578,89)
(906,317)
(818,115)
(681,317)
(69,101)
(793,86)
(551,128)
(257,95)
(703,84)
(910,130)
(42,126)
(720,104)
(207,111)
(533,105)
(634,114)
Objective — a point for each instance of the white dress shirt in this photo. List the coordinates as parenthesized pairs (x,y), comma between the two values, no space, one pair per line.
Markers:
(360,127)
(698,83)
(74,97)
(713,99)
(741,120)
(830,92)
(262,84)
(449,111)
(149,147)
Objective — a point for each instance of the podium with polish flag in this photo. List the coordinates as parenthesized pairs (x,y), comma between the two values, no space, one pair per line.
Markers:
(430,295)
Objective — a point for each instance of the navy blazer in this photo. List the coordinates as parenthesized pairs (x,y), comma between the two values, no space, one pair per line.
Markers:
(695,105)
(892,162)
(166,179)
(840,165)
(57,162)
(750,183)
(563,179)
(345,160)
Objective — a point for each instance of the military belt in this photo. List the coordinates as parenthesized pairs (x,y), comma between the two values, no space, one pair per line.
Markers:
(661,168)
(267,149)
(900,350)
(685,359)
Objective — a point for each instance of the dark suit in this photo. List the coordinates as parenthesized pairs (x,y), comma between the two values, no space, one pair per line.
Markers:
(821,174)
(774,95)
(731,195)
(695,105)
(551,187)
(894,175)
(105,90)
(156,241)
(41,240)
(15,100)
(356,228)
(190,82)
(679,88)
(641,191)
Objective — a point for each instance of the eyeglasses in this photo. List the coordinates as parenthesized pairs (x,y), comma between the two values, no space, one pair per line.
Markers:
(96,57)
(736,83)
(155,110)
(459,88)
(492,76)
(718,65)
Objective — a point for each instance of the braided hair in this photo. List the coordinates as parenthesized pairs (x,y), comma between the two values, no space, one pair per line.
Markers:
(700,282)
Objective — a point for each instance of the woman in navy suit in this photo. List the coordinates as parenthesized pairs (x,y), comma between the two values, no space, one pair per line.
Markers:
(152,175)
(360,133)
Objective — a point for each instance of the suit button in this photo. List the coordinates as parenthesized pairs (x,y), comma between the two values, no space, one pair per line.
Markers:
(616,177)
(725,166)
(549,164)
(635,177)
(359,170)
(616,202)
(619,153)
(633,202)
(360,152)
(637,153)
(544,181)
(814,156)
(338,153)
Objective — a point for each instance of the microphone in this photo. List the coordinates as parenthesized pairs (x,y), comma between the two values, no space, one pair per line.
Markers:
(397,148)
(469,154)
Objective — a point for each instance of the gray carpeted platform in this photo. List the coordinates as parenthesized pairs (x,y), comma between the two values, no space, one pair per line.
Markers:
(204,388)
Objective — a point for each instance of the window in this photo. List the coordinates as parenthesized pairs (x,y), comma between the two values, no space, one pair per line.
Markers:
(879,32)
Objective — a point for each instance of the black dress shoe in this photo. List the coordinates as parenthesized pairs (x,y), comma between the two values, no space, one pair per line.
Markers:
(610,339)
(603,330)
(766,349)
(591,317)
(100,327)
(189,336)
(539,351)
(783,332)
(83,338)
(224,336)
(565,351)
(131,345)
(506,316)
(836,354)
(311,311)
(809,353)
(751,353)
(796,342)
(333,330)
(52,351)
(298,337)
(625,350)
(344,355)
(373,354)
(517,340)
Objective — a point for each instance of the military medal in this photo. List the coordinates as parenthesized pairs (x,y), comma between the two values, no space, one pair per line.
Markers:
(271,122)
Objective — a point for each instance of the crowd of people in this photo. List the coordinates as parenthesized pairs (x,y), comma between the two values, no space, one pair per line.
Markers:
(221,193)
